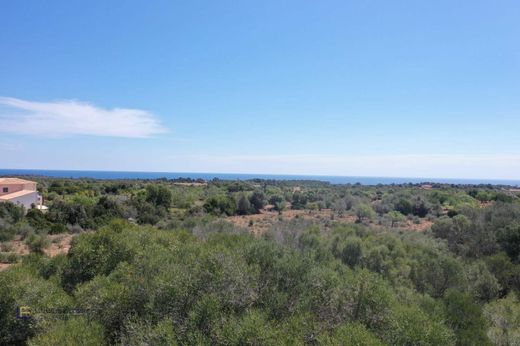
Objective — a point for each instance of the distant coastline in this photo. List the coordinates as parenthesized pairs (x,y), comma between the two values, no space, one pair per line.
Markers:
(238,176)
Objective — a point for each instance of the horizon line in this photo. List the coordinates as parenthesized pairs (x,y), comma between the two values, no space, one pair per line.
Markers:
(426,179)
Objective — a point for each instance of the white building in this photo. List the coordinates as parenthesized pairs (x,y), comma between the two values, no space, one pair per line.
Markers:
(21,192)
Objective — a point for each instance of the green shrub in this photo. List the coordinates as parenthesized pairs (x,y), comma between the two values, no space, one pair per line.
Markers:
(37,242)
(8,257)
(138,333)
(75,331)
(350,334)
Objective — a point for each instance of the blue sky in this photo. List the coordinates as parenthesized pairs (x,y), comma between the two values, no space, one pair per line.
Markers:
(376,88)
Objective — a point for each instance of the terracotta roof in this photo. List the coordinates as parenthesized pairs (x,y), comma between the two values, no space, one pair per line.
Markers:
(14,181)
(15,194)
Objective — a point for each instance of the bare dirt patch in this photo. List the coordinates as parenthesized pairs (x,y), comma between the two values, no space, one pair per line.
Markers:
(19,247)
(257,223)
(190,184)
(4,266)
(422,226)
(260,223)
(60,244)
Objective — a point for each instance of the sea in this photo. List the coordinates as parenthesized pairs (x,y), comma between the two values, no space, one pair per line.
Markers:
(237,176)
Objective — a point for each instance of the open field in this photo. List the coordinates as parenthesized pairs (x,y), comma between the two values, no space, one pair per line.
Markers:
(262,222)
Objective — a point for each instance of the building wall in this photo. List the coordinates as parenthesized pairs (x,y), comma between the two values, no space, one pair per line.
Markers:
(12,188)
(29,186)
(27,200)
(16,187)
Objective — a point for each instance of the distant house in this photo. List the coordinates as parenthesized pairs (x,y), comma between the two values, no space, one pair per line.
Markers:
(21,192)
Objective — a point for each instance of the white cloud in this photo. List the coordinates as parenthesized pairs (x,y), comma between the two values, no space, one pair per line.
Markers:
(70,117)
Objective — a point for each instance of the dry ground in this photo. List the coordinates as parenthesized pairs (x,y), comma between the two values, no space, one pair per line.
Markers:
(190,184)
(260,223)
(5,266)
(59,244)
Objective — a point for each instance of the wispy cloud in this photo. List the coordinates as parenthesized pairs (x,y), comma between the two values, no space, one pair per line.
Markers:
(71,117)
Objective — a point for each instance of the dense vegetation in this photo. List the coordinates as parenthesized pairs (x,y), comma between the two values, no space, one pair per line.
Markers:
(161,263)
